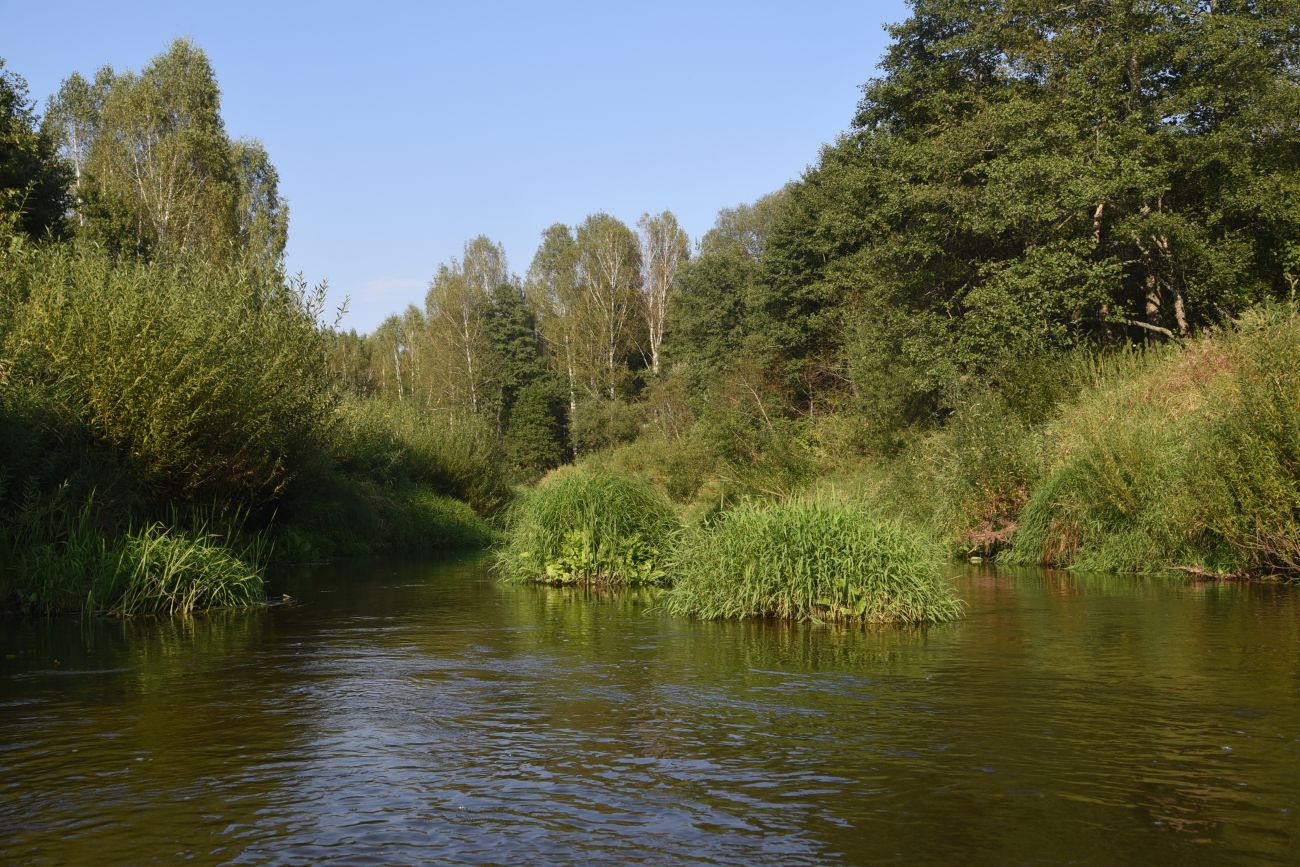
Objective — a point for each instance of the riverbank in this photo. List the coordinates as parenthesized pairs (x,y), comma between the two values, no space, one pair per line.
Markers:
(1181,457)
(169,429)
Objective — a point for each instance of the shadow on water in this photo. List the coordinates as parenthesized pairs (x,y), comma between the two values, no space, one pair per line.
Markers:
(415,712)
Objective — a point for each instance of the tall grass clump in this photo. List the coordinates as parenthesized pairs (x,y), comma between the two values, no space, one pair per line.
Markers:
(815,559)
(1178,458)
(65,562)
(588,527)
(161,571)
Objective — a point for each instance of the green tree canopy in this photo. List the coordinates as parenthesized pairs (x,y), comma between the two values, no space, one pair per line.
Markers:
(33,180)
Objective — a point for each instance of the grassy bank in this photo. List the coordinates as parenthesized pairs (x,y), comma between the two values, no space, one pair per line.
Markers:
(1183,456)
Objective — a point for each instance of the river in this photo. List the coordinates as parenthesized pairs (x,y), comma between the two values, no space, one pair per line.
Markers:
(416,713)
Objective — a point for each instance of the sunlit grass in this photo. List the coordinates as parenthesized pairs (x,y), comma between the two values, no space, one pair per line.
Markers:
(809,560)
(588,527)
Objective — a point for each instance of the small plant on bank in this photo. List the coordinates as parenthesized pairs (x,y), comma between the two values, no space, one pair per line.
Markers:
(583,527)
(810,560)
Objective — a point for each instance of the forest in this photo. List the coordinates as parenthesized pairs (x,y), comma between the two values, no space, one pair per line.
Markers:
(1036,303)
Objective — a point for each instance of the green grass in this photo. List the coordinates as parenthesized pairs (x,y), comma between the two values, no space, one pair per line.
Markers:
(395,444)
(588,527)
(72,564)
(813,559)
(157,571)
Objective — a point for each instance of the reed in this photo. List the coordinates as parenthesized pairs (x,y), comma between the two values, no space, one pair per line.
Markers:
(815,559)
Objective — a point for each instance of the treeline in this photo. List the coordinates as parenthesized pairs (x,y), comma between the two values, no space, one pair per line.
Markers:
(169,420)
(547,362)
(1022,181)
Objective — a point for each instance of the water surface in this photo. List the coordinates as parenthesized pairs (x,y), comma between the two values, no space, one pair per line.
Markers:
(418,713)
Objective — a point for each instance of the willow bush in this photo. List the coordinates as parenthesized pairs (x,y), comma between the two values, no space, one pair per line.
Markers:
(210,379)
(816,559)
(588,527)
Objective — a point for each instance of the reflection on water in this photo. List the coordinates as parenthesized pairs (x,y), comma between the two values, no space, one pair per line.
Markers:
(416,713)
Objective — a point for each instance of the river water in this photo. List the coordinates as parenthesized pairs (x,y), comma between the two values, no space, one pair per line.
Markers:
(405,713)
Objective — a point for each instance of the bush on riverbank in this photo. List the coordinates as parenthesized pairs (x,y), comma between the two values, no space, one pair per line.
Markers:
(809,560)
(588,527)
(210,379)
(141,394)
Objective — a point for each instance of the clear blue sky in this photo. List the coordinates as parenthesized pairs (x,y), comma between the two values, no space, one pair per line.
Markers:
(401,130)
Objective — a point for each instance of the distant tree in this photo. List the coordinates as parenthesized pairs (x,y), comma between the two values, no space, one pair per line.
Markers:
(351,359)
(153,170)
(457,309)
(160,172)
(72,120)
(1026,176)
(33,180)
(664,249)
(609,274)
(554,293)
(713,316)
(517,353)
(535,433)
(263,215)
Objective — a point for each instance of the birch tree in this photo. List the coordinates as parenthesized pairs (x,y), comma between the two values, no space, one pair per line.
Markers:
(162,167)
(457,308)
(552,290)
(664,247)
(609,274)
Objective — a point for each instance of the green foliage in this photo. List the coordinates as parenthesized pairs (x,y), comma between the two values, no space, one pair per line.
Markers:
(681,468)
(599,423)
(396,444)
(760,450)
(968,480)
(209,380)
(809,560)
(1026,178)
(511,331)
(588,527)
(1186,458)
(153,171)
(534,436)
(33,181)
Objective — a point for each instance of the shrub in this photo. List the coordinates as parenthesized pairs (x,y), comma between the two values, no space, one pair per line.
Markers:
(395,444)
(588,527)
(211,380)
(602,424)
(680,467)
(809,560)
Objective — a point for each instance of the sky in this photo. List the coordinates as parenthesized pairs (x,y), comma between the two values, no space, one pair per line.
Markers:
(401,130)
